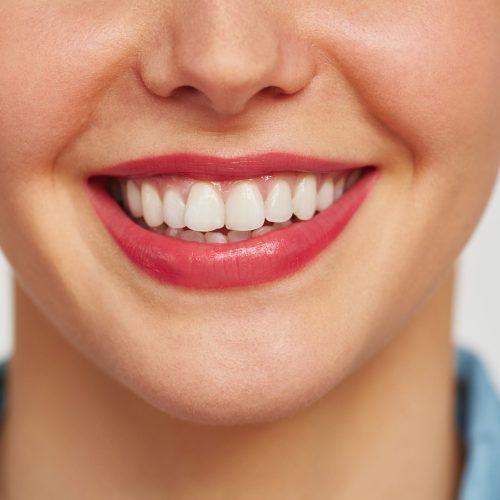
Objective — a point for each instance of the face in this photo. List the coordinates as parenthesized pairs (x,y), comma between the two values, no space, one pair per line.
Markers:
(411,88)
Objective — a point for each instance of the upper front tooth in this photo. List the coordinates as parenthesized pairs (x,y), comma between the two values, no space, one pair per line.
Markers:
(173,209)
(279,202)
(204,208)
(244,207)
(325,195)
(133,198)
(304,199)
(151,205)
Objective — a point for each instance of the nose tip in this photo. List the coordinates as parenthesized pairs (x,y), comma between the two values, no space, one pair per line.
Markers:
(229,77)
(224,57)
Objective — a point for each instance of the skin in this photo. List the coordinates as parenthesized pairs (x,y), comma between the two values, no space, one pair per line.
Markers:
(201,394)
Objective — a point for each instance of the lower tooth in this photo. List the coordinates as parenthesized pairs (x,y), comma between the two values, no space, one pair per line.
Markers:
(159,229)
(233,236)
(279,225)
(174,233)
(262,231)
(189,235)
(215,238)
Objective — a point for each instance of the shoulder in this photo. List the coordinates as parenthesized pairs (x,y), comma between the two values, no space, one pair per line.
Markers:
(478,418)
(478,400)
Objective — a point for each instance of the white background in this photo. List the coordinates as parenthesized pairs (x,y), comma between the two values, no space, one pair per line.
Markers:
(477,311)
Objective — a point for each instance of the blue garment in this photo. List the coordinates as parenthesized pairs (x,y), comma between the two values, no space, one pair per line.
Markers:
(478,419)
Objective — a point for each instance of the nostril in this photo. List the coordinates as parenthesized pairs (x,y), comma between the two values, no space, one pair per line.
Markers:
(183,90)
(273,91)
(277,92)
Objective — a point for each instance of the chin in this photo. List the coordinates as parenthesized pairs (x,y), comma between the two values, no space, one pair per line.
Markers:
(242,402)
(232,385)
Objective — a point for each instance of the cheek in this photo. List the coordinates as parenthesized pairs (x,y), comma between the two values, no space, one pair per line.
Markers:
(54,62)
(429,71)
(54,65)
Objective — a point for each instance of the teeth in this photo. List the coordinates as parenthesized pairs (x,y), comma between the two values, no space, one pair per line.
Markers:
(279,225)
(189,235)
(159,229)
(339,189)
(304,199)
(278,205)
(324,197)
(175,233)
(353,177)
(204,208)
(244,212)
(151,206)
(215,238)
(173,209)
(244,207)
(133,198)
(233,236)
(262,231)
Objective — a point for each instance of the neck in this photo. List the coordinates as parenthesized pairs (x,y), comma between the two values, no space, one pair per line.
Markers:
(387,432)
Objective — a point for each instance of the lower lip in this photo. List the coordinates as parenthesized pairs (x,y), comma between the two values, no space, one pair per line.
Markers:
(246,263)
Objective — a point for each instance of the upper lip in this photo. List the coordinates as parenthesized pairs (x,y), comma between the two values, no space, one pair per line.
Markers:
(219,168)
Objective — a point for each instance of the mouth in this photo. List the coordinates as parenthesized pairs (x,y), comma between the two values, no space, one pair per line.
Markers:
(209,222)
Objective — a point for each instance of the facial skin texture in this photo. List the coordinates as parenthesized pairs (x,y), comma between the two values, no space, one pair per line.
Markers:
(413,88)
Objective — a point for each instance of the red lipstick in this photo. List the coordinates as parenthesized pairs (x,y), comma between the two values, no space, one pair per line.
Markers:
(245,263)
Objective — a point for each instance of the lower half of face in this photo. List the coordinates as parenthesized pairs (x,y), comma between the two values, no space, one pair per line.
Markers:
(232,255)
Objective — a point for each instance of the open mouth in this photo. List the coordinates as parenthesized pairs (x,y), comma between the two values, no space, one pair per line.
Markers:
(228,211)
(197,222)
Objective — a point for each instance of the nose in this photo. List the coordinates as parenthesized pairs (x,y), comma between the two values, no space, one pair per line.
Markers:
(224,54)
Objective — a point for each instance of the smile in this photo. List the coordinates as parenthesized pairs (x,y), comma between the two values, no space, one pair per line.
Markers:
(209,222)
